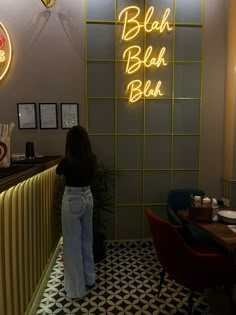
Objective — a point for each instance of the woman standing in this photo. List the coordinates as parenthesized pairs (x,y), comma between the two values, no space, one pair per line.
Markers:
(78,166)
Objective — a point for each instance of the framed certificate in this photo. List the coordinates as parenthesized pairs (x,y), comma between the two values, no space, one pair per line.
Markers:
(26,113)
(48,115)
(69,115)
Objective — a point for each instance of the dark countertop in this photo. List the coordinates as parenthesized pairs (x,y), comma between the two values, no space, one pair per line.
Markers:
(13,169)
(36,160)
(23,169)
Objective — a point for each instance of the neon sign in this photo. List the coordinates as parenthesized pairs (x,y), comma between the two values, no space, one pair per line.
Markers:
(134,62)
(5,51)
(131,29)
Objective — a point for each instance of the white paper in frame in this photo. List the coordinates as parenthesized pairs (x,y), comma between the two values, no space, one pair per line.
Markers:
(69,115)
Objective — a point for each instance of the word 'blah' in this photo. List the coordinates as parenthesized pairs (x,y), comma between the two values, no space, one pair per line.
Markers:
(132,55)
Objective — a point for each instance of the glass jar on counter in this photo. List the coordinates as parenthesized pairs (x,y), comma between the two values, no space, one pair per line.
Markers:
(197,201)
(206,202)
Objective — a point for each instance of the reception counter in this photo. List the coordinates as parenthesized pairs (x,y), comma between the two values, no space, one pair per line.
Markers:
(29,230)
(23,169)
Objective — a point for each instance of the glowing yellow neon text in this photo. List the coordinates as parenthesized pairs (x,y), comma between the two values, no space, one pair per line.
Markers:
(134,62)
(132,27)
(2,56)
(136,90)
(137,59)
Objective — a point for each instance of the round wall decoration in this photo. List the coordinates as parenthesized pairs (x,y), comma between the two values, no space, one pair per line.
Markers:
(5,51)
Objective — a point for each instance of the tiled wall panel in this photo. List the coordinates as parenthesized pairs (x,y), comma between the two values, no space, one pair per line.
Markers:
(153,143)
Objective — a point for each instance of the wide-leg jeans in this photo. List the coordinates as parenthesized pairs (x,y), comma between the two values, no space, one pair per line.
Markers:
(77,218)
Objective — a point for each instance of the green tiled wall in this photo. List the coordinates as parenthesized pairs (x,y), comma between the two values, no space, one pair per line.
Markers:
(153,144)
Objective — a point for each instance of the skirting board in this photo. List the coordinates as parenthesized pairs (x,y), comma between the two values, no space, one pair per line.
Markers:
(37,296)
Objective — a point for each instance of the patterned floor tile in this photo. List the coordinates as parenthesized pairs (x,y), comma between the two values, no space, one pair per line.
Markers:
(127,281)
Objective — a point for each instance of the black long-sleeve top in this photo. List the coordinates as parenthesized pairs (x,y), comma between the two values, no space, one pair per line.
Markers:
(76,174)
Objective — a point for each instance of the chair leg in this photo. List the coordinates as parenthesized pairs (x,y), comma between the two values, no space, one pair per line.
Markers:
(190,302)
(229,289)
(161,282)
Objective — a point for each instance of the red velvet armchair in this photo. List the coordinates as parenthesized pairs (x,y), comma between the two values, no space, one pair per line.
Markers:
(197,268)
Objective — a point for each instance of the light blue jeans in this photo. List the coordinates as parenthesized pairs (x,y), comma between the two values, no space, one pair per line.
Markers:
(77,218)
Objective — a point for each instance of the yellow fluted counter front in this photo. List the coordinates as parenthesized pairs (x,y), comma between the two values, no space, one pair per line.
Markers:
(29,232)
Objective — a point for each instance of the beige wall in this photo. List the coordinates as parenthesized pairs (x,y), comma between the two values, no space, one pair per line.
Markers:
(230,100)
(213,96)
(48,66)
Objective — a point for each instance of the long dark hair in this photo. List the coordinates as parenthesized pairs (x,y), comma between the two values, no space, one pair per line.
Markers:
(78,147)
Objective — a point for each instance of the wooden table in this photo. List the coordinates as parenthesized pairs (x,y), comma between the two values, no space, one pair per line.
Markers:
(218,231)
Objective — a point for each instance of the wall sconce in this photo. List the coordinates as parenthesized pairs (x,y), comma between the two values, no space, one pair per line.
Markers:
(5,51)
(49,3)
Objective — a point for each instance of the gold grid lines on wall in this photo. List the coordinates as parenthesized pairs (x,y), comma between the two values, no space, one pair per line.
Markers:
(144,102)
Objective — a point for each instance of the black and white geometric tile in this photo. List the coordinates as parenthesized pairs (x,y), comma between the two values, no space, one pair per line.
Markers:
(126,284)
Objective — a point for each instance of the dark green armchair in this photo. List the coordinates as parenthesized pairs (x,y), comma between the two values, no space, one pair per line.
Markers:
(181,199)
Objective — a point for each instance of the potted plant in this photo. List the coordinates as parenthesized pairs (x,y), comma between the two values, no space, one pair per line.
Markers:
(102,188)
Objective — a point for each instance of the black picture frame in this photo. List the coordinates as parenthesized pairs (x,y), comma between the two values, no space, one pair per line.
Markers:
(48,116)
(69,115)
(26,115)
